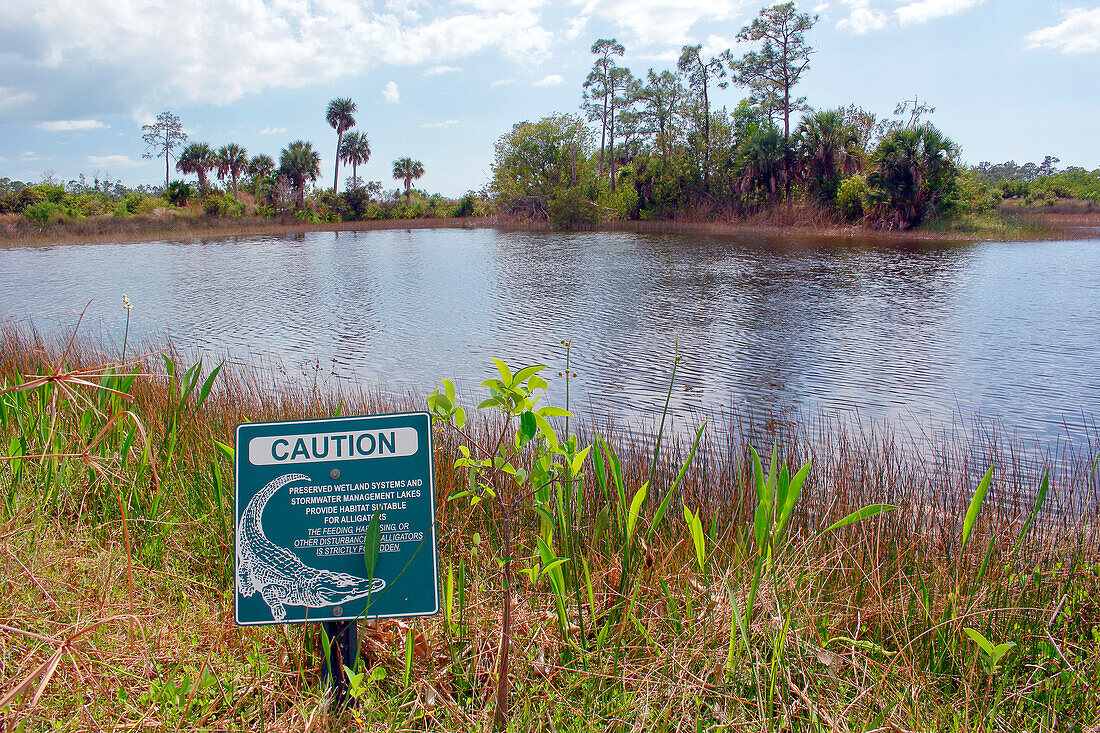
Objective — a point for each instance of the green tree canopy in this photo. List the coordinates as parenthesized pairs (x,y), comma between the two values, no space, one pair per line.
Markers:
(407,170)
(300,163)
(161,137)
(356,151)
(340,116)
(542,158)
(232,161)
(915,173)
(829,150)
(199,159)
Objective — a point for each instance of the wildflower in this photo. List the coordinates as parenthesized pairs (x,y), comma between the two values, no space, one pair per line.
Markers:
(126,302)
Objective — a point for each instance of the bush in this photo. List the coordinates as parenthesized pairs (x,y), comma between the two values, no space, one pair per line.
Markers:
(222,205)
(52,192)
(139,203)
(356,203)
(90,204)
(570,209)
(329,206)
(18,202)
(852,198)
(467,206)
(43,213)
(623,204)
(179,193)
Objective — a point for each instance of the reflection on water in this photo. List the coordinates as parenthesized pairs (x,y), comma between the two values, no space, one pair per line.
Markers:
(914,332)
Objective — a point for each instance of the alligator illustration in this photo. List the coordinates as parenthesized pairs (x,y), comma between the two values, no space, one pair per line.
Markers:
(281,578)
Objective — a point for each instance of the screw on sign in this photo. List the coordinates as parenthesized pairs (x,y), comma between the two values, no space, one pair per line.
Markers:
(335,523)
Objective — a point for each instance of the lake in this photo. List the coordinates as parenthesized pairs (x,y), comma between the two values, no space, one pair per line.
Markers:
(922,334)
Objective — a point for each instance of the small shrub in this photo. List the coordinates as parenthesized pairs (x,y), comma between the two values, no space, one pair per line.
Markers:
(467,206)
(18,202)
(356,203)
(852,198)
(222,205)
(179,193)
(570,208)
(43,213)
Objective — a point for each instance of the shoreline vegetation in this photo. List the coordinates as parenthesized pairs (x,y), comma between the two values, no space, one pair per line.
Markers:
(667,150)
(1070,221)
(949,598)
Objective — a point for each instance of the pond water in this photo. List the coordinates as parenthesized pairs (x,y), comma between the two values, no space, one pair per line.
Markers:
(919,333)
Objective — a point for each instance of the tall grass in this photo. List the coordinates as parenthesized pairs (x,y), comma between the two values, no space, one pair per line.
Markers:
(871,626)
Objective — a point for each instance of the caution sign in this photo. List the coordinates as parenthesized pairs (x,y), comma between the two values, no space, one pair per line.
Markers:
(335,519)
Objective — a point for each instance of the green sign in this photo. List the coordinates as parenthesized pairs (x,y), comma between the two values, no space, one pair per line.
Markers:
(308,493)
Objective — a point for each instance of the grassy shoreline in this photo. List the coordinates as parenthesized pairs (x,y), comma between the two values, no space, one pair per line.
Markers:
(1016,226)
(858,629)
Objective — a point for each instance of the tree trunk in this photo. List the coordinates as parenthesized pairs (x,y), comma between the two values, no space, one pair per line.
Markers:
(787,139)
(408,190)
(166,153)
(500,716)
(603,131)
(234,185)
(354,171)
(706,133)
(611,148)
(336,170)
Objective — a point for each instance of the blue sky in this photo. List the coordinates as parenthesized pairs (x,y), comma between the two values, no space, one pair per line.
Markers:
(441,81)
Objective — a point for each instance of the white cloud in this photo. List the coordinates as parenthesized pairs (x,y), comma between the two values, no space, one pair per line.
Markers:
(445,123)
(664,21)
(1079,32)
(114,161)
(864,16)
(11,98)
(575,26)
(113,56)
(271,130)
(923,11)
(550,80)
(71,125)
(503,82)
(30,156)
(441,69)
(861,18)
(390,93)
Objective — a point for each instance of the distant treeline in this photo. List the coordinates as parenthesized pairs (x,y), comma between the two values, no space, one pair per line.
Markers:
(658,147)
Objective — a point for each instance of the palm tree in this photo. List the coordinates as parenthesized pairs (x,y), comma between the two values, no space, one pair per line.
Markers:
(355,150)
(408,170)
(197,158)
(829,148)
(915,170)
(260,166)
(232,161)
(340,117)
(760,160)
(299,162)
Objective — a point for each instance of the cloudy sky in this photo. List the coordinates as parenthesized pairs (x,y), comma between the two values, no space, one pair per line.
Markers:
(440,81)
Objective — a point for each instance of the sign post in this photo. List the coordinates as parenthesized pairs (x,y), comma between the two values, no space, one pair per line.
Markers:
(310,494)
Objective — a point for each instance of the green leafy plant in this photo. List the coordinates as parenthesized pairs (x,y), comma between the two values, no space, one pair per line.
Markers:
(508,472)
(993,653)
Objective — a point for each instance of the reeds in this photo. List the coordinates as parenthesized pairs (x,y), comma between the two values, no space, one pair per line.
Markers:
(870,626)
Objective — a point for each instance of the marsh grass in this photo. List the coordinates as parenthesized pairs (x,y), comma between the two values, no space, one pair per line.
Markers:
(862,628)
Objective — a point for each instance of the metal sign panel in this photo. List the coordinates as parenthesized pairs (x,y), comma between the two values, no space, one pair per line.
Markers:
(306,493)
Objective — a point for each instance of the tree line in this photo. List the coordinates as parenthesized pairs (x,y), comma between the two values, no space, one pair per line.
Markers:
(658,146)
(298,166)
